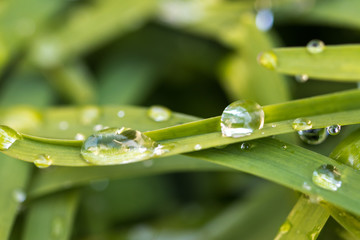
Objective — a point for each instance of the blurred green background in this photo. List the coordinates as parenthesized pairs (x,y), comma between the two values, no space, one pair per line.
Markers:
(193,57)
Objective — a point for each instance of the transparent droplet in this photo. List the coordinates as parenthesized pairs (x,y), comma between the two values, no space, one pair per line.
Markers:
(313,136)
(301,78)
(273,125)
(117,146)
(327,177)
(241,118)
(19,195)
(284,229)
(7,137)
(161,149)
(159,113)
(57,227)
(121,114)
(245,146)
(198,147)
(79,136)
(43,161)
(89,114)
(268,60)
(264,19)
(98,127)
(301,124)
(284,147)
(334,129)
(314,233)
(63,125)
(315,46)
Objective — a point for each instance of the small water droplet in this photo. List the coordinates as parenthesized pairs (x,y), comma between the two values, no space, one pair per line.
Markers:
(284,147)
(63,125)
(57,227)
(268,60)
(241,118)
(314,233)
(79,137)
(148,163)
(315,46)
(121,114)
(118,146)
(159,113)
(301,78)
(284,229)
(327,177)
(306,186)
(19,195)
(89,114)
(245,146)
(198,147)
(7,137)
(300,124)
(99,185)
(98,127)
(334,129)
(273,125)
(43,161)
(264,19)
(313,136)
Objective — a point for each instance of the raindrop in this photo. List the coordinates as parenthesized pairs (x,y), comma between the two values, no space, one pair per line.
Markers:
(273,125)
(333,130)
(315,46)
(7,137)
(43,161)
(300,124)
(79,137)
(198,147)
(268,60)
(301,78)
(313,136)
(241,118)
(117,146)
(327,177)
(245,146)
(121,114)
(19,195)
(159,113)
(264,19)
(284,147)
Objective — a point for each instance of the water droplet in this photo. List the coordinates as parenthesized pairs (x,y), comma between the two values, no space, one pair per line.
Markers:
(57,227)
(301,78)
(98,127)
(264,19)
(284,147)
(99,185)
(273,125)
(19,195)
(268,60)
(43,161)
(198,147)
(7,137)
(327,177)
(306,186)
(121,114)
(334,130)
(159,113)
(148,163)
(245,146)
(161,149)
(79,137)
(63,125)
(300,124)
(313,136)
(315,46)
(284,229)
(241,118)
(89,114)
(314,233)
(117,146)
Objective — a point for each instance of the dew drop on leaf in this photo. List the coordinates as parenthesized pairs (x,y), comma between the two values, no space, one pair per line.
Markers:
(43,161)
(300,124)
(121,114)
(118,146)
(315,46)
(198,147)
(327,177)
(241,118)
(19,195)
(313,136)
(7,137)
(334,129)
(245,146)
(79,136)
(159,113)
(301,78)
(284,229)
(268,60)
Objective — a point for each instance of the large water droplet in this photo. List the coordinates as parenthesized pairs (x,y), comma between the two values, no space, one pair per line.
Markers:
(313,136)
(19,195)
(268,60)
(300,124)
(301,78)
(327,177)
(43,161)
(315,46)
(334,129)
(7,137)
(117,146)
(241,118)
(80,136)
(159,113)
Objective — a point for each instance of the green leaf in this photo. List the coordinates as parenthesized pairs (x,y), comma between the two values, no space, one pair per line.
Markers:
(335,63)
(51,217)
